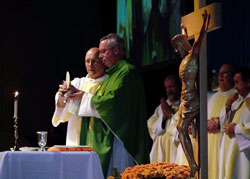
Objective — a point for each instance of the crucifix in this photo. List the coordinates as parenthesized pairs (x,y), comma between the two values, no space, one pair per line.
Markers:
(193,22)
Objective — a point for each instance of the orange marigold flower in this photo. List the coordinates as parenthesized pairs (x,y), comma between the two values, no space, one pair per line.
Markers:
(158,169)
(111,177)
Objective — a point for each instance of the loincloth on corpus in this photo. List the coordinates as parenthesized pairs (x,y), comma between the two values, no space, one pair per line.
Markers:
(189,106)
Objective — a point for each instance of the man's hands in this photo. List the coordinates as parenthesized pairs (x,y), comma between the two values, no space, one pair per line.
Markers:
(229,129)
(213,125)
(231,98)
(166,109)
(67,93)
(75,94)
(206,19)
(62,89)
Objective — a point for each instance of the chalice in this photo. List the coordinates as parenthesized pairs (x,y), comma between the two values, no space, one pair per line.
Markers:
(42,139)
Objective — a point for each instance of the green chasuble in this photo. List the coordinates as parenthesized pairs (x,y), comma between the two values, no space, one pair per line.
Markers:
(95,134)
(120,101)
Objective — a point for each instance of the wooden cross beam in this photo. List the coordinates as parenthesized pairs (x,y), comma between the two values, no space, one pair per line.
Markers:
(193,22)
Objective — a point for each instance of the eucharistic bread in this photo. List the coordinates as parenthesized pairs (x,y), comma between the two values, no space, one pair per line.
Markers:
(67,148)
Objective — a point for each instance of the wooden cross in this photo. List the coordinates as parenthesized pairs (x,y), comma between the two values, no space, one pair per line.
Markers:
(193,22)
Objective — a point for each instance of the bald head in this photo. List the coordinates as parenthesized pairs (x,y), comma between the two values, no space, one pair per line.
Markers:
(93,63)
(93,50)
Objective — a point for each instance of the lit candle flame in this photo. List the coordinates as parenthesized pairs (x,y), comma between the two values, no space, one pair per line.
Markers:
(16,94)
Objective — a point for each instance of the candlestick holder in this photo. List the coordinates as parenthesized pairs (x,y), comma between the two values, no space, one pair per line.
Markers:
(15,148)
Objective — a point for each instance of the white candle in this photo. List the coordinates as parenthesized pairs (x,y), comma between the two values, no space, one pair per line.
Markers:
(15,104)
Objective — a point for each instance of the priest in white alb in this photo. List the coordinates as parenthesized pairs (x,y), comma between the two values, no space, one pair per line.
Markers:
(69,110)
(215,105)
(162,124)
(234,155)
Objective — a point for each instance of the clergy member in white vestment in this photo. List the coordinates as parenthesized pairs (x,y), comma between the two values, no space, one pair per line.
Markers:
(71,111)
(82,90)
(162,124)
(215,105)
(234,155)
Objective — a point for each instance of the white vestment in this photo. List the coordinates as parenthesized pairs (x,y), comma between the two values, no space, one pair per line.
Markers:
(165,141)
(73,109)
(73,112)
(215,105)
(234,155)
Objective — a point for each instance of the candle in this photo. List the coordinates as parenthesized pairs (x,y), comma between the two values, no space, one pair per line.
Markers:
(15,104)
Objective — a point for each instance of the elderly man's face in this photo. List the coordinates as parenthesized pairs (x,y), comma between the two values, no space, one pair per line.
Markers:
(94,65)
(107,54)
(225,77)
(172,89)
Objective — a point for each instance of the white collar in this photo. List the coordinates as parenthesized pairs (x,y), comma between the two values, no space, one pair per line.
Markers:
(225,93)
(97,79)
(239,101)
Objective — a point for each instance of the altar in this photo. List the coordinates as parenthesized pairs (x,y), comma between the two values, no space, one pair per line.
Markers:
(50,165)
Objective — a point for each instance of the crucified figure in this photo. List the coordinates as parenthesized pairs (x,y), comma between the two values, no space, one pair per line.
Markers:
(189,106)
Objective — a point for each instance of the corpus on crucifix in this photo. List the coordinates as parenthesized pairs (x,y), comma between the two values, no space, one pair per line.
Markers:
(193,23)
(189,106)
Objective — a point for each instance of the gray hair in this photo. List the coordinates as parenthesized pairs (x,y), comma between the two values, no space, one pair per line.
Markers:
(114,40)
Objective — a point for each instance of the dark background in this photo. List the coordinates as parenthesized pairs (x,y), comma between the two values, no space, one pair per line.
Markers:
(41,40)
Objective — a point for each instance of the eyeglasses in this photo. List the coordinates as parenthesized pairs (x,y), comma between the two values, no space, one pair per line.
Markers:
(224,73)
(102,51)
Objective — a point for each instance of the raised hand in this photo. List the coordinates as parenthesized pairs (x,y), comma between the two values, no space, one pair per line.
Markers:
(206,18)
(72,89)
(62,89)
(77,95)
(166,109)
(74,93)
(247,100)
(231,98)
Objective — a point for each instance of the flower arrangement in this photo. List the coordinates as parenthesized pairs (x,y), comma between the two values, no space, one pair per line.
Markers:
(156,170)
